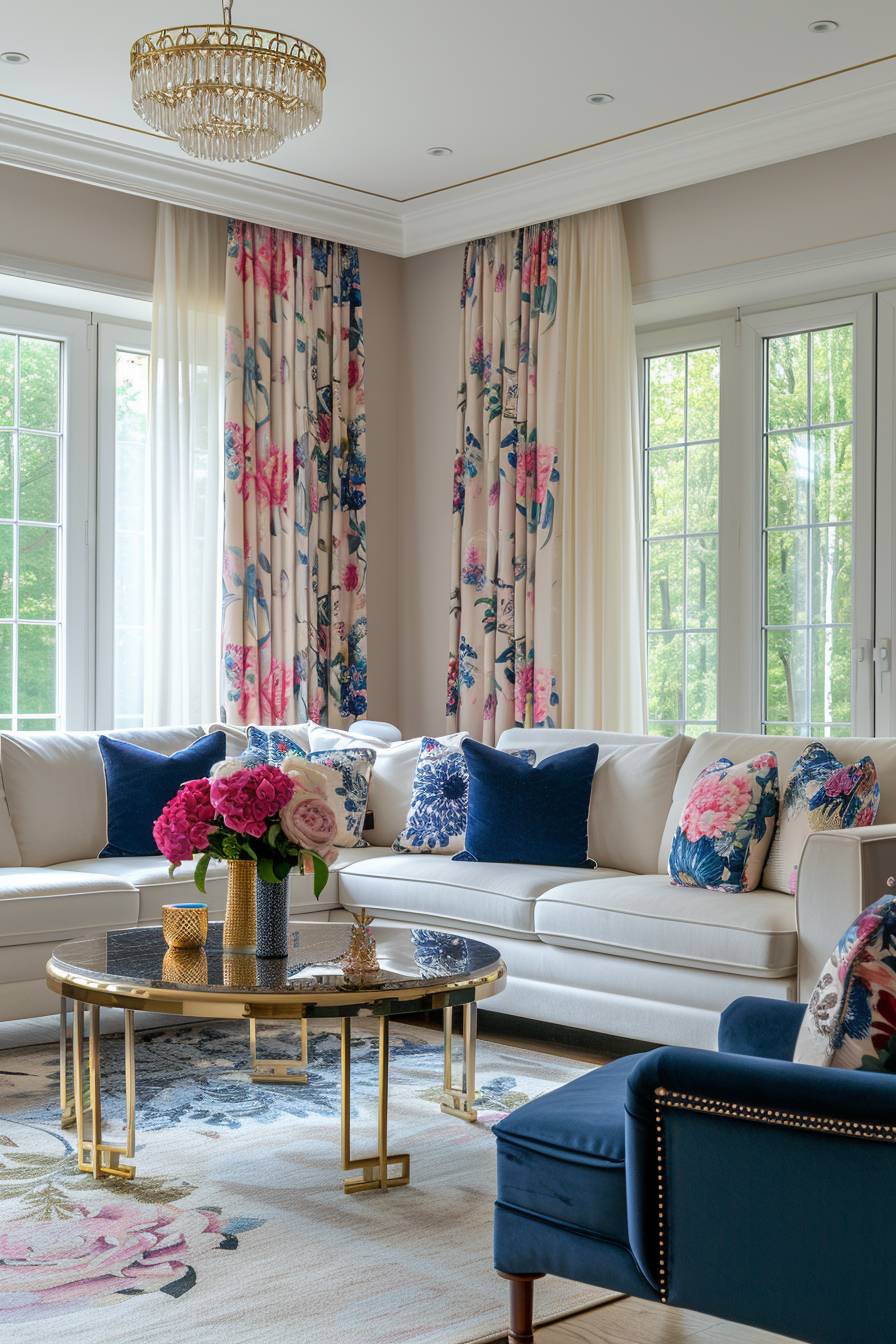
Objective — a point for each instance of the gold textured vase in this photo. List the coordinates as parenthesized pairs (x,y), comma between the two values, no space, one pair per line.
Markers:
(239,918)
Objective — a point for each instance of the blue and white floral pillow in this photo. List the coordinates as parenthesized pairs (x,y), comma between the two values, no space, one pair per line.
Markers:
(437,816)
(350,786)
(821,794)
(727,826)
(850,1020)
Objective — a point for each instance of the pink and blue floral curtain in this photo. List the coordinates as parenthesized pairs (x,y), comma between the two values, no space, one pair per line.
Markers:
(505,595)
(295,542)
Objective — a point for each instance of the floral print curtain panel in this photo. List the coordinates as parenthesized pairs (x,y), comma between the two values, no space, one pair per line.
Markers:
(505,596)
(295,543)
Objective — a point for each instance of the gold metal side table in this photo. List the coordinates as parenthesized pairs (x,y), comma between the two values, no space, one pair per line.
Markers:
(420,969)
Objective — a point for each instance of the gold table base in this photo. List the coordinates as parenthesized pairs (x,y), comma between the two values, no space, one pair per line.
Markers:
(80,1100)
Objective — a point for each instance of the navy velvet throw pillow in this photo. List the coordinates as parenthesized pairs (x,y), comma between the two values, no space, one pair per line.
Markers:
(521,813)
(140,782)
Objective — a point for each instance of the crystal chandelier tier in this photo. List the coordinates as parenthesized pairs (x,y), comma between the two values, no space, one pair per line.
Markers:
(225,92)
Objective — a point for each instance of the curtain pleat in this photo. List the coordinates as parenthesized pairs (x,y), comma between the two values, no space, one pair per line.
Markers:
(602,645)
(183,504)
(295,542)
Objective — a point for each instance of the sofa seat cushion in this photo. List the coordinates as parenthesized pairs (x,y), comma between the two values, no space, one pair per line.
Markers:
(473,895)
(154,887)
(562,1156)
(750,933)
(55,904)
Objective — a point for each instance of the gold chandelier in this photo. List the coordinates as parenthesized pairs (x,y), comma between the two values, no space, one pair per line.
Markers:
(227,93)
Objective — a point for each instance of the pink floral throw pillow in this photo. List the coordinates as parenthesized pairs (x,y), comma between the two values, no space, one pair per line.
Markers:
(727,826)
(850,1021)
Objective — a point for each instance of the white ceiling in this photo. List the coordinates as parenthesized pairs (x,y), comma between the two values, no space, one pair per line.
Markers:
(503,83)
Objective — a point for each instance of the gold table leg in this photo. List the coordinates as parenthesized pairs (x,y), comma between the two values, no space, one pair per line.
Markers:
(96,1154)
(459,1100)
(279,1070)
(374,1170)
(67,1117)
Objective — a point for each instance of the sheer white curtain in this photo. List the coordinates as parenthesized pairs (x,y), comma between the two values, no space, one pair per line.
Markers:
(602,641)
(185,446)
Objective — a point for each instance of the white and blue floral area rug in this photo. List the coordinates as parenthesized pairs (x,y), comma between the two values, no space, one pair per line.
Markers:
(236,1229)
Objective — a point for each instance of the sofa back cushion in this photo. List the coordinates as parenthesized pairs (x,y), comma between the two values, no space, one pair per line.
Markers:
(56,788)
(631,794)
(742,746)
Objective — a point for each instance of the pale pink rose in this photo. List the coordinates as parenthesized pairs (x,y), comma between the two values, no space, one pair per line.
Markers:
(309,781)
(310,824)
(716,804)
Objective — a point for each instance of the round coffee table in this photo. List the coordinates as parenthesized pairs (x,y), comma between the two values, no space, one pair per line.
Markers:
(420,969)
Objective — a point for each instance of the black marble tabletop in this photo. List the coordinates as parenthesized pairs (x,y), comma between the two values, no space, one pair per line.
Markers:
(408,958)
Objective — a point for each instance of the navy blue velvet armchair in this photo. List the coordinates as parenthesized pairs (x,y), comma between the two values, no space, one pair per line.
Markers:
(737,1184)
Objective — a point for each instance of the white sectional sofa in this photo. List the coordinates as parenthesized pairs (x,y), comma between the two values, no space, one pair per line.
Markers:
(616,949)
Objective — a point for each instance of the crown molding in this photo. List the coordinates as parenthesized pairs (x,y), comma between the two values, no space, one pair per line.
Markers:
(731,140)
(167,175)
(662,160)
(858,263)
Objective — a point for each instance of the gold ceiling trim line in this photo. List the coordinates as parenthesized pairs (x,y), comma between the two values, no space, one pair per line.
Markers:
(655,126)
(498,172)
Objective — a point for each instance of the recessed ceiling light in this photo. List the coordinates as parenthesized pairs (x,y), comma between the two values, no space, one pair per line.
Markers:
(599,98)
(440,151)
(823,26)
(14,57)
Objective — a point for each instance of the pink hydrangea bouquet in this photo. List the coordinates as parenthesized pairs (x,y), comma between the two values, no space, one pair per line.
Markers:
(277,817)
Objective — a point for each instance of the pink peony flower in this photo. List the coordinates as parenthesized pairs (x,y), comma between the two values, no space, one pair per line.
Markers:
(716,804)
(185,822)
(841,781)
(765,761)
(50,1265)
(248,799)
(350,577)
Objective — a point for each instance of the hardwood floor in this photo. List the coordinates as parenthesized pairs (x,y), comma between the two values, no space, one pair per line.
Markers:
(627,1321)
(630,1321)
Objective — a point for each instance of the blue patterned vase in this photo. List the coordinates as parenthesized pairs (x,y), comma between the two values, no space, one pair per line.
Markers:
(271,918)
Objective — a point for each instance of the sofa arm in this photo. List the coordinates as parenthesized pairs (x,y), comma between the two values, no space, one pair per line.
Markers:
(741,1188)
(763,1028)
(840,873)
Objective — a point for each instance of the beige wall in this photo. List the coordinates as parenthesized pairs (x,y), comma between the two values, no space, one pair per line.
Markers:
(55,220)
(810,202)
(429,383)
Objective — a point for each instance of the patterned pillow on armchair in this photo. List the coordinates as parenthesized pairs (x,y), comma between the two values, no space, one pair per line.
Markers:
(727,825)
(850,1020)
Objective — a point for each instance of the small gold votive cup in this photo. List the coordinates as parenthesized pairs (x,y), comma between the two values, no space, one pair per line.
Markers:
(185,924)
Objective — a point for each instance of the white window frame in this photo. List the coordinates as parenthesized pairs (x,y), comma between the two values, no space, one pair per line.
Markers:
(885,576)
(859,310)
(75,654)
(674,340)
(113,336)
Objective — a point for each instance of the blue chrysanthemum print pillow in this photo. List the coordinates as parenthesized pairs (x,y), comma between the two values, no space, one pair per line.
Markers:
(437,816)
(821,794)
(727,825)
(850,1020)
(349,772)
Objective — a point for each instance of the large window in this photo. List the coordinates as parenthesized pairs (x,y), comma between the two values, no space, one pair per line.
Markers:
(808,504)
(72,508)
(681,511)
(31,451)
(759,528)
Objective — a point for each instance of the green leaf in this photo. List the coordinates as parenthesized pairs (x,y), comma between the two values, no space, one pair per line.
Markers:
(266,869)
(282,867)
(201,870)
(321,874)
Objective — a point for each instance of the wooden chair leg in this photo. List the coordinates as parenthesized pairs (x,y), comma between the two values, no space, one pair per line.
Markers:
(521,1307)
